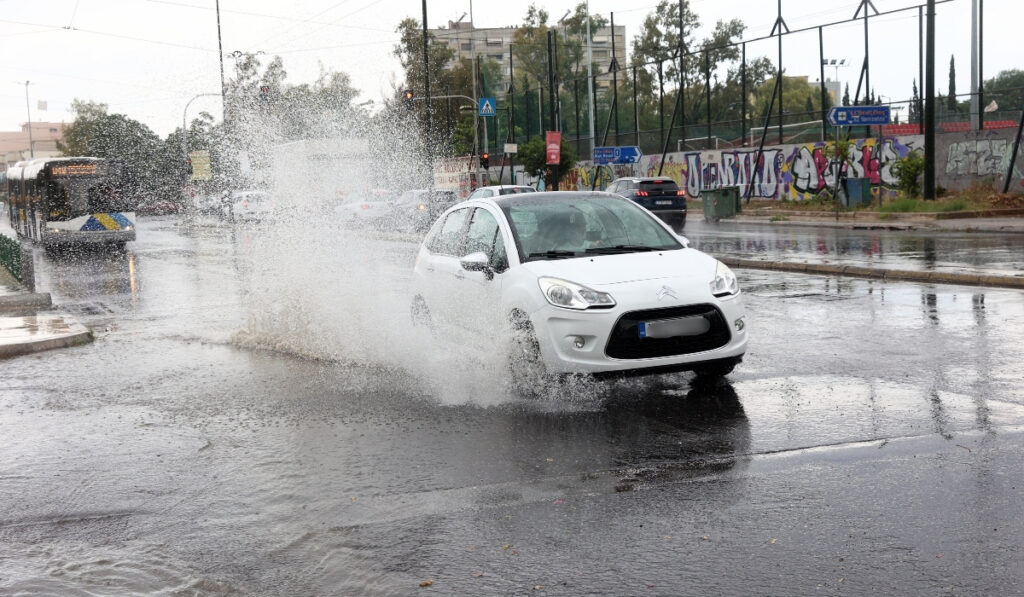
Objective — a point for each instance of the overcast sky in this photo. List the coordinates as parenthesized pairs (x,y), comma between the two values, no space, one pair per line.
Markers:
(148,58)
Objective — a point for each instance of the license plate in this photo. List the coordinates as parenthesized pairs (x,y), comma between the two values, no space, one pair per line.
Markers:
(668,202)
(670,328)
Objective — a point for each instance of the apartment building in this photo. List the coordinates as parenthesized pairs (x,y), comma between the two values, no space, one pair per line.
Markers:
(495,43)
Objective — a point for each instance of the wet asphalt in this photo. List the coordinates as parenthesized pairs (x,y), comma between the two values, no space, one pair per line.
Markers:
(255,417)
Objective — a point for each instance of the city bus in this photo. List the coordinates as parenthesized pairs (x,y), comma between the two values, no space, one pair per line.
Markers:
(66,201)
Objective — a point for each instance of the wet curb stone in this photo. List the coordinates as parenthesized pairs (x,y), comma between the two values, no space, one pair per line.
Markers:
(879,274)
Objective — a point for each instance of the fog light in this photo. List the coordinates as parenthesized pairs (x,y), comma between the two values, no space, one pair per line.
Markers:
(739,325)
(578,341)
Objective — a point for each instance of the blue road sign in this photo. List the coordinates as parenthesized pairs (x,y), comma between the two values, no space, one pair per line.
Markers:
(617,155)
(487,106)
(859,115)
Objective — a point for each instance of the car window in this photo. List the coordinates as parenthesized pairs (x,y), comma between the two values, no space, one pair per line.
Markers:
(449,235)
(484,236)
(571,227)
(661,184)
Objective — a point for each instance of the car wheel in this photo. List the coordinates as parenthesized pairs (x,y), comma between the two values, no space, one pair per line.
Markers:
(420,313)
(529,376)
(714,371)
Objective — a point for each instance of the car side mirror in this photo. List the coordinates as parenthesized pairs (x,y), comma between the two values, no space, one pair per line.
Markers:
(684,240)
(475,262)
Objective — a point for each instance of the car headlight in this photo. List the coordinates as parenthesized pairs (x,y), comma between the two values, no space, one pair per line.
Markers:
(725,283)
(562,293)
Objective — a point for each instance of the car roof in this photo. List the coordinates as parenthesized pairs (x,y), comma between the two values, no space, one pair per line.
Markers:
(550,197)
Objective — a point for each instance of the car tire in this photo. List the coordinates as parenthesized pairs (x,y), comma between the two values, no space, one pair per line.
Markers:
(528,373)
(420,313)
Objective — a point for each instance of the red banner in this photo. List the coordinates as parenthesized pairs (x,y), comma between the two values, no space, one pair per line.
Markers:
(554,145)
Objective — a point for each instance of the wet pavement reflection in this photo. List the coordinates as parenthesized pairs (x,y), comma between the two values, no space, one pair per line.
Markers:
(988,253)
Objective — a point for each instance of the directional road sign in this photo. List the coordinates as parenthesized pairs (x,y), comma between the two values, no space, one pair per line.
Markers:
(487,106)
(859,115)
(617,155)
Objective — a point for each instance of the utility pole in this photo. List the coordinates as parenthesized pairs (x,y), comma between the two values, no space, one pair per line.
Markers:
(929,104)
(590,80)
(28,110)
(220,53)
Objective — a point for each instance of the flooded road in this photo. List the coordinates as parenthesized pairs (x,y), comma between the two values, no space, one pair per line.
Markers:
(256,418)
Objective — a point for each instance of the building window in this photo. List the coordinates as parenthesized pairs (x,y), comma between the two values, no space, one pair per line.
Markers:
(467,46)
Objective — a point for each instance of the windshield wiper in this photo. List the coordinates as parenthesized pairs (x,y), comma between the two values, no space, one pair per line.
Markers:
(623,249)
(554,254)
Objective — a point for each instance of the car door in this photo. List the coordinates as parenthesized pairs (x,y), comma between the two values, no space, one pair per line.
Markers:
(480,291)
(441,263)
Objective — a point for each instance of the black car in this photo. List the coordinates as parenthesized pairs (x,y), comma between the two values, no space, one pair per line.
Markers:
(658,194)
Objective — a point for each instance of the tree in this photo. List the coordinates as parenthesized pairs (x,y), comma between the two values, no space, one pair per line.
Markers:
(797,95)
(914,113)
(116,137)
(951,101)
(533,156)
(1006,89)
(846,95)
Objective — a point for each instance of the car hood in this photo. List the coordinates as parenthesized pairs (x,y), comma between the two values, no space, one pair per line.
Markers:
(605,270)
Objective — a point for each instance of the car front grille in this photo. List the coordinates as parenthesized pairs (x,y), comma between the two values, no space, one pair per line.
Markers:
(625,341)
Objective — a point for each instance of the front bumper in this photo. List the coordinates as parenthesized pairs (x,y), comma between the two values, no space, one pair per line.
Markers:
(560,331)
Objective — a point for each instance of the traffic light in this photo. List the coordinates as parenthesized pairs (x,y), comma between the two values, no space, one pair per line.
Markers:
(485,160)
(408,99)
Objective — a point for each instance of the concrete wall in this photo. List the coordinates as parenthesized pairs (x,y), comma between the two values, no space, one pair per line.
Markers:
(798,172)
(966,158)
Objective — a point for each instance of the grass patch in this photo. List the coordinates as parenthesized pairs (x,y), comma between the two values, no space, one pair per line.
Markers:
(908,205)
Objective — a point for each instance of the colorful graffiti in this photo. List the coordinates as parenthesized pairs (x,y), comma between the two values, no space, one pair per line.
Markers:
(794,172)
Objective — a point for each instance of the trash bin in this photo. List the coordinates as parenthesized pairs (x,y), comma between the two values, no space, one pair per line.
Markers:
(858,192)
(733,193)
(719,203)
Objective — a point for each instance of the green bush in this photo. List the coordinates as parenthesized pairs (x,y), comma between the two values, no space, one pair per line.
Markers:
(908,171)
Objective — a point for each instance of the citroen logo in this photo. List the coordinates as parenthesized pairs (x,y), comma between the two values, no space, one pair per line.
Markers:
(666,291)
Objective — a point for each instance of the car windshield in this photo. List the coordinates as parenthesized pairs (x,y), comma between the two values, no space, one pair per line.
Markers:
(557,226)
(514,190)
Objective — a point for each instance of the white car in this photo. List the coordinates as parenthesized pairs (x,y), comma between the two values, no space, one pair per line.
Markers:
(500,189)
(581,283)
(252,206)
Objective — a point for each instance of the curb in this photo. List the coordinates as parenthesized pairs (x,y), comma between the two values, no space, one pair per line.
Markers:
(35,300)
(994,281)
(54,331)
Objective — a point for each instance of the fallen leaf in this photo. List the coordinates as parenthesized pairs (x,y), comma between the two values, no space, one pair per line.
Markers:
(773,541)
(538,587)
(550,459)
(558,502)
(427,583)
(506,547)
(478,575)
(704,537)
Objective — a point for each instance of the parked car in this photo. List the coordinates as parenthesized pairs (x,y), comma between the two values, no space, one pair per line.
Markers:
(157,207)
(501,189)
(251,206)
(416,210)
(660,195)
(374,208)
(583,283)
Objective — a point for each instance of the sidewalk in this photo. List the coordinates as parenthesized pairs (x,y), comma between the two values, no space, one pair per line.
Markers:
(29,324)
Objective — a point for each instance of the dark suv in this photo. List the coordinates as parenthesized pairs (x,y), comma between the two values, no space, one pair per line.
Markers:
(659,195)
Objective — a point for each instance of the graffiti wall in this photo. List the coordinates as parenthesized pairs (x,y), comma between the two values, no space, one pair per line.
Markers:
(970,157)
(793,172)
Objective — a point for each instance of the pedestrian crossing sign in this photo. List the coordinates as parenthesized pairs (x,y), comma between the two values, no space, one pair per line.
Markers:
(487,106)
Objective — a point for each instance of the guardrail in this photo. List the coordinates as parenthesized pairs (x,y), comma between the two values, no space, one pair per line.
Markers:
(10,256)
